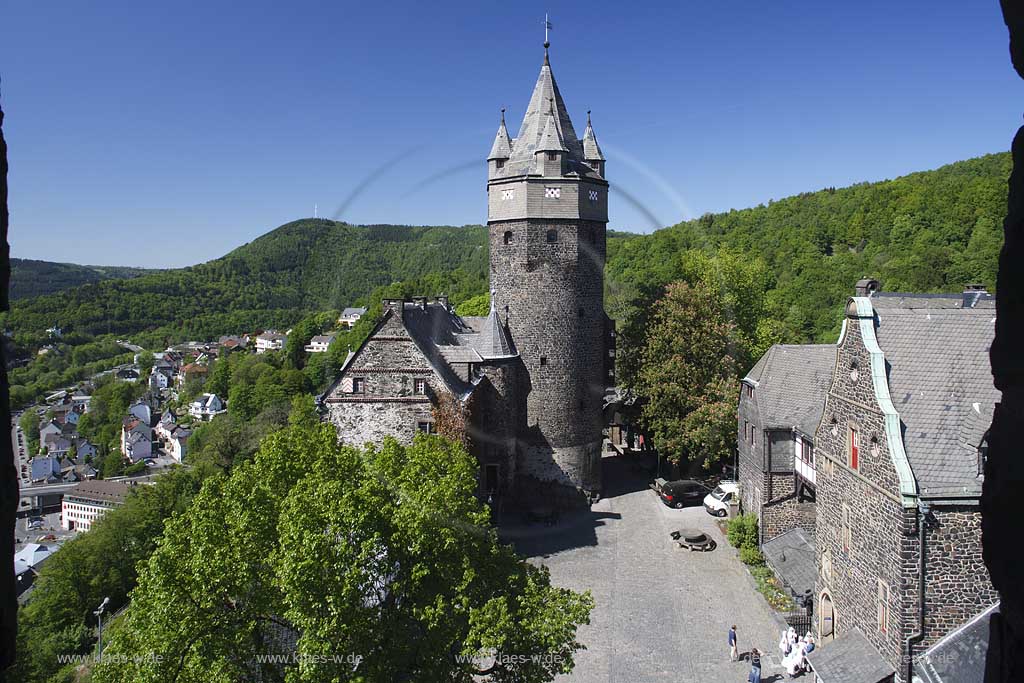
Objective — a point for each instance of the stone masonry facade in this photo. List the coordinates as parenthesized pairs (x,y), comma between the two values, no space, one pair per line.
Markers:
(387,366)
(867,537)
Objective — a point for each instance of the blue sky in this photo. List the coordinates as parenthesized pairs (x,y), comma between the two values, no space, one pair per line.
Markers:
(165,134)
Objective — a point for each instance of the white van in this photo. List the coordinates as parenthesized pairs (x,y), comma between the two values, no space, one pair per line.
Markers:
(718,501)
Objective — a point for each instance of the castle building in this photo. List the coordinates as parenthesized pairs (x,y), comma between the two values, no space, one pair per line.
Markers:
(524,385)
(780,405)
(898,460)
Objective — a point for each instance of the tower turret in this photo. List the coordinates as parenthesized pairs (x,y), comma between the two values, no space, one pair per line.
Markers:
(551,151)
(591,150)
(501,150)
(547,214)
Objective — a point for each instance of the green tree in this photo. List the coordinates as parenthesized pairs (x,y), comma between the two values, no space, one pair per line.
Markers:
(146,363)
(58,620)
(477,305)
(416,577)
(688,375)
(29,423)
(219,381)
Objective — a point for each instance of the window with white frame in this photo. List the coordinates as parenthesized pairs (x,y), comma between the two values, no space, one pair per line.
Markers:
(426,427)
(358,385)
(419,386)
(552,192)
(507,195)
(593,195)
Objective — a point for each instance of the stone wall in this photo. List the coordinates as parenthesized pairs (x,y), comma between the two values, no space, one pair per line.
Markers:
(957,584)
(881,532)
(388,364)
(784,511)
(551,294)
(497,418)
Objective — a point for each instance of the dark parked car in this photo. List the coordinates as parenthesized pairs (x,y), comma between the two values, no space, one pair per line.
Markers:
(679,494)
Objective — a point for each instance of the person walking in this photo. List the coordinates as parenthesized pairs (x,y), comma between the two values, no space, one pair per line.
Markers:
(734,653)
(755,667)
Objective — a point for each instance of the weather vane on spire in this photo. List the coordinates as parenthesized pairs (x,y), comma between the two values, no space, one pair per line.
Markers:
(547,27)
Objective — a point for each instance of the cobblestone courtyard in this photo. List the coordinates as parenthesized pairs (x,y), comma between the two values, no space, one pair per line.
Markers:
(662,613)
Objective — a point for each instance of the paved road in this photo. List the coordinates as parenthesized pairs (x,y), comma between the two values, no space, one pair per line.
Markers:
(662,613)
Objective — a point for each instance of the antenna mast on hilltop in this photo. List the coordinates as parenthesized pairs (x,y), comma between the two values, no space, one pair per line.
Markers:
(314,210)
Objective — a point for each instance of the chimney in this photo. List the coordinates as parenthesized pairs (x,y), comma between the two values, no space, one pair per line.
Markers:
(443,300)
(420,301)
(866,287)
(972,294)
(396,305)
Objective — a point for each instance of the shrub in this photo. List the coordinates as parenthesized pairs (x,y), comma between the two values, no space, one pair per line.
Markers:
(742,532)
(751,556)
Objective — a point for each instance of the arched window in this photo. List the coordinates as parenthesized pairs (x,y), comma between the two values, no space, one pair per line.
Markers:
(552,236)
(508,237)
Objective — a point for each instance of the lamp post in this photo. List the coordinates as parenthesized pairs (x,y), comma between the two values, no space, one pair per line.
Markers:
(99,620)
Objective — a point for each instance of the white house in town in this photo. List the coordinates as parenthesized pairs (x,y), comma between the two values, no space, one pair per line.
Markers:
(206,406)
(350,316)
(270,341)
(319,343)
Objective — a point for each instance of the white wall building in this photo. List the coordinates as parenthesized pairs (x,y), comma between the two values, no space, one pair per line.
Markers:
(270,341)
(206,406)
(89,501)
(319,343)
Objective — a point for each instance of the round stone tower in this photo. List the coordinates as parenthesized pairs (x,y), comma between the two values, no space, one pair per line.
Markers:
(547,215)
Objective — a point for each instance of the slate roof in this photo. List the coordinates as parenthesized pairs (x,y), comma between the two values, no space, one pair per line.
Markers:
(100,490)
(322,339)
(44,468)
(792,557)
(591,150)
(502,147)
(849,658)
(349,312)
(791,381)
(903,300)
(941,385)
(960,656)
(445,338)
(533,131)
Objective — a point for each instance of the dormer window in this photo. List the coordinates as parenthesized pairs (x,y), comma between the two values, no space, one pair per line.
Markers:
(552,156)
(499,163)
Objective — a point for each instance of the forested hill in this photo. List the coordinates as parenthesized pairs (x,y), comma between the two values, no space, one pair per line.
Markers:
(925,232)
(929,231)
(305,265)
(33,278)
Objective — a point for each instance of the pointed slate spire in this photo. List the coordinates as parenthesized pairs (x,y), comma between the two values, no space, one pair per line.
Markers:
(502,147)
(551,138)
(545,100)
(591,150)
(494,341)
